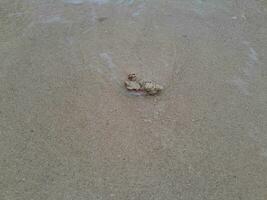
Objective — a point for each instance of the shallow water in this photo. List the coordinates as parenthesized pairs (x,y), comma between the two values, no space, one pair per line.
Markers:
(70,130)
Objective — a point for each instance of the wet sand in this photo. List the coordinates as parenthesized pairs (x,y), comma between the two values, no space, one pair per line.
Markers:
(70,130)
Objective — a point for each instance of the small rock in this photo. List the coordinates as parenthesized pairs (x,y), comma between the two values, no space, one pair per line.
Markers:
(151,88)
(132,85)
(148,87)
(132,77)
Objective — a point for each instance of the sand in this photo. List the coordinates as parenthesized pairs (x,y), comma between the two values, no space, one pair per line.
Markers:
(70,130)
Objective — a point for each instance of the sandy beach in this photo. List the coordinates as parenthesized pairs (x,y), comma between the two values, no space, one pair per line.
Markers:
(69,130)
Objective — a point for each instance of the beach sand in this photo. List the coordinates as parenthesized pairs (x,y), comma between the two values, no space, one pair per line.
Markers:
(70,130)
